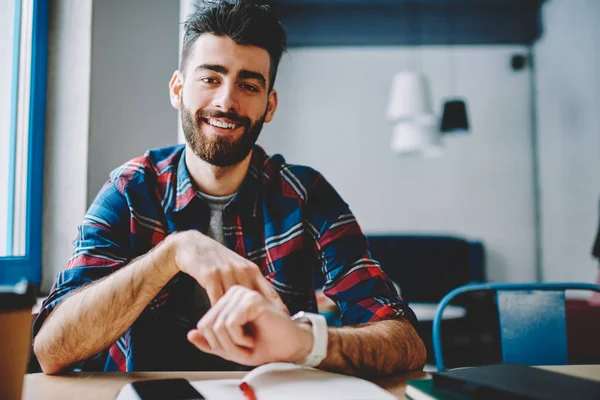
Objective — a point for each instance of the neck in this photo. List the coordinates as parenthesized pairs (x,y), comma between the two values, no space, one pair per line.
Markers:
(213,180)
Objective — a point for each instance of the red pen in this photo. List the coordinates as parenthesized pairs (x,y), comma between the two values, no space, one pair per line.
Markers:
(248,392)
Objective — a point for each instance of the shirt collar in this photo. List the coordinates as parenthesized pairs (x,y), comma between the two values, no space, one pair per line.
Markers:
(247,198)
(184,188)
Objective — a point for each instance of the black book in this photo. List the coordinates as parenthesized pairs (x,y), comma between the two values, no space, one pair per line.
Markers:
(515,381)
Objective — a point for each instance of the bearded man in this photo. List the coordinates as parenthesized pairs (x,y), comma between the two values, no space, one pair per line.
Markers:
(201,256)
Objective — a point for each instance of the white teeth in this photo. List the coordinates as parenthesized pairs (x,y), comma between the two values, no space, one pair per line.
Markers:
(221,124)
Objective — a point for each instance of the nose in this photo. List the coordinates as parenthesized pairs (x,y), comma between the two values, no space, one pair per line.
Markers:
(224,98)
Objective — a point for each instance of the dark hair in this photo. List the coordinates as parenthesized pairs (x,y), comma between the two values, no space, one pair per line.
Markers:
(244,21)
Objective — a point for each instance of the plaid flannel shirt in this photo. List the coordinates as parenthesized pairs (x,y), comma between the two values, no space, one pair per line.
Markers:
(285,218)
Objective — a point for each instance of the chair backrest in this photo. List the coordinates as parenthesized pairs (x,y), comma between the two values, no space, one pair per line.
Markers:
(531,317)
(428,267)
(412,260)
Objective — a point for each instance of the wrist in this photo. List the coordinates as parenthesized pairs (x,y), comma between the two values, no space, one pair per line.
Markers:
(179,247)
(164,256)
(306,342)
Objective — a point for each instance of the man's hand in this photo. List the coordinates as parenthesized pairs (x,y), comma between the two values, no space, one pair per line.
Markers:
(216,268)
(245,328)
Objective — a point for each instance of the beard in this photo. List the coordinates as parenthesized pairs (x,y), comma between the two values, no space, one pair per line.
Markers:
(220,151)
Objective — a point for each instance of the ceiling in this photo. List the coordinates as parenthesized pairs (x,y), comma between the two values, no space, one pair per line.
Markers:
(409,22)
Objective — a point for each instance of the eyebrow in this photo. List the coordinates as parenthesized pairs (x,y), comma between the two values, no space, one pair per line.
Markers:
(243,74)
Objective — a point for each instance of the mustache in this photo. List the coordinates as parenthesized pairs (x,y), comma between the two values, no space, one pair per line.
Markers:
(235,117)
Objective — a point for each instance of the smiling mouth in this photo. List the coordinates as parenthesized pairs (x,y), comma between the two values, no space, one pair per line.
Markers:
(219,123)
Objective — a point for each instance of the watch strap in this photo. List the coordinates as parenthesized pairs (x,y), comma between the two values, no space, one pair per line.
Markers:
(320,339)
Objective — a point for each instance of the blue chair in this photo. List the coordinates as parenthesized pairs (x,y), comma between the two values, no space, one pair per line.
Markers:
(532,320)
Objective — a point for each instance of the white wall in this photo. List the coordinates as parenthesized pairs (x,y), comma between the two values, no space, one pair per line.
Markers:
(108,74)
(331,116)
(134,54)
(186,7)
(67,131)
(568,98)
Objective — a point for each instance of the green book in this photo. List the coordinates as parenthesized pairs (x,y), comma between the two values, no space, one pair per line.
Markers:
(422,389)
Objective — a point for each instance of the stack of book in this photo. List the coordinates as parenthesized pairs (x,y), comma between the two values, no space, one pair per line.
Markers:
(502,381)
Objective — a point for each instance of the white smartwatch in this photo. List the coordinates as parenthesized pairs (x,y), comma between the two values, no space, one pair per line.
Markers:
(319,331)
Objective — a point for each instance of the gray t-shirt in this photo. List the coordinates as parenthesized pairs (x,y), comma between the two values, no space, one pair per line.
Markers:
(216,204)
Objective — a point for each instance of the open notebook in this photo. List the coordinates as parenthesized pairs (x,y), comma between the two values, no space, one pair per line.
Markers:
(289,381)
(277,381)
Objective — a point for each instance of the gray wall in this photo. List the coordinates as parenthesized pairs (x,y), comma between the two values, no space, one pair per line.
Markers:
(67,131)
(108,74)
(568,98)
(134,54)
(331,116)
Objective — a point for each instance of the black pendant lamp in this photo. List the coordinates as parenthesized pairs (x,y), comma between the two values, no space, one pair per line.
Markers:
(454,117)
(454,114)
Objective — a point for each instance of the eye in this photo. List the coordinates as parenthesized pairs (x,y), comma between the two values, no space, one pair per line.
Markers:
(249,88)
(209,80)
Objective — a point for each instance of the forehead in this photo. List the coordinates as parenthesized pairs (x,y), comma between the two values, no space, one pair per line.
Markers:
(222,50)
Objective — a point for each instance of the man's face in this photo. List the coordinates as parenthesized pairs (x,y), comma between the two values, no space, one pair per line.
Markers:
(224,99)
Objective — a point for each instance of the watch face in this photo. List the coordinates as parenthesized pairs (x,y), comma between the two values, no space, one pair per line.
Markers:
(304,320)
(299,315)
(304,317)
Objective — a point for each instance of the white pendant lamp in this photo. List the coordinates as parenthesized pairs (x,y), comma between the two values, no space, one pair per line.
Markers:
(410,98)
(409,138)
(415,125)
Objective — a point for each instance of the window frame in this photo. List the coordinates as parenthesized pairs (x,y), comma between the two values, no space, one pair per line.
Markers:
(29,266)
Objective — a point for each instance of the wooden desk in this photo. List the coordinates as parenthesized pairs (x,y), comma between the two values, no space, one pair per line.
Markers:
(106,385)
(103,386)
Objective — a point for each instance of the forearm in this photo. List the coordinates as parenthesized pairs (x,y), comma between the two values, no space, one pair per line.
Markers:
(379,348)
(96,316)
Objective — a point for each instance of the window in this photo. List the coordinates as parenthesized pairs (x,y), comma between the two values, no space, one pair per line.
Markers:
(23,55)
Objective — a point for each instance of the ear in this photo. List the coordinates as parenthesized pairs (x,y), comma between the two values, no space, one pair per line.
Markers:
(271,105)
(175,86)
